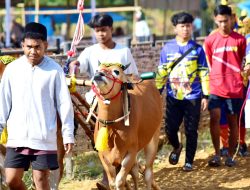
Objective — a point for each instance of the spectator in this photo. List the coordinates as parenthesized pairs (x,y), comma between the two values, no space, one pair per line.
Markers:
(142,31)
(197,27)
(16,34)
(225,50)
(119,31)
(184,71)
(33,90)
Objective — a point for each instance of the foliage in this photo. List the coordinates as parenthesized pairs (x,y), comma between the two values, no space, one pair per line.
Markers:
(27,178)
(87,165)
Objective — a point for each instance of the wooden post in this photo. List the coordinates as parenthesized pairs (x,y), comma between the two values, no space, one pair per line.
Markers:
(37,11)
(7,22)
(134,22)
(69,165)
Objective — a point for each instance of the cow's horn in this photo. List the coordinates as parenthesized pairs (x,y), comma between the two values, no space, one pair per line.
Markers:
(126,66)
(99,63)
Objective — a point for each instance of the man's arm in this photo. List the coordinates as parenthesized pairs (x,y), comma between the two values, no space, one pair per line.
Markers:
(246,69)
(204,78)
(5,100)
(208,53)
(132,69)
(81,64)
(203,72)
(65,109)
(162,72)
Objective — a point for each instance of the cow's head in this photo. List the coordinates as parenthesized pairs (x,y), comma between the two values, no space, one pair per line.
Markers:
(109,78)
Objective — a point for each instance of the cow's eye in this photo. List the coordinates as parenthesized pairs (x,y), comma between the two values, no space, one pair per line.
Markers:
(116,72)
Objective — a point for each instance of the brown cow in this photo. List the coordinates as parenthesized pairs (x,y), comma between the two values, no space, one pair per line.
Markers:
(124,142)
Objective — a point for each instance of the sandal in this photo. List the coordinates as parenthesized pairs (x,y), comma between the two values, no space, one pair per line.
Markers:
(175,155)
(215,161)
(230,162)
(187,167)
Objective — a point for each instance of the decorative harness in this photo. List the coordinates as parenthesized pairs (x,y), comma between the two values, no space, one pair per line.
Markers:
(110,76)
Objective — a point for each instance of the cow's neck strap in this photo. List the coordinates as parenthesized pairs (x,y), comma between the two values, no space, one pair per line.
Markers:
(110,122)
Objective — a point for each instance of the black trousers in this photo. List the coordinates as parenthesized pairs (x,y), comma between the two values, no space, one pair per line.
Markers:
(176,111)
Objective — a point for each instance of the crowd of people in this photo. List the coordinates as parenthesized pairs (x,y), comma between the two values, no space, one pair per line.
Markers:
(33,90)
(191,79)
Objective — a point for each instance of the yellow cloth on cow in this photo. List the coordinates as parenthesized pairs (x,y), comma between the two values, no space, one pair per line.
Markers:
(101,143)
(4,136)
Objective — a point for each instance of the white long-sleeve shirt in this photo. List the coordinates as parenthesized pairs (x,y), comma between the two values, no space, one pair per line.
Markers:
(30,97)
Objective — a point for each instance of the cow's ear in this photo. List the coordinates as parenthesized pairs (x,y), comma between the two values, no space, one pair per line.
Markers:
(126,66)
(124,78)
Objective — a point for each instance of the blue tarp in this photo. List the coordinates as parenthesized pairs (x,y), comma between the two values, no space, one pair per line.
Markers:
(60,18)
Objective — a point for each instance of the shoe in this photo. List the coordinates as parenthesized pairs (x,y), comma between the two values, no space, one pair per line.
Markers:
(224,152)
(215,161)
(187,167)
(175,155)
(230,162)
(243,150)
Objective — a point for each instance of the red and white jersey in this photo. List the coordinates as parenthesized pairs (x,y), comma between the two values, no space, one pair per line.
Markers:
(225,56)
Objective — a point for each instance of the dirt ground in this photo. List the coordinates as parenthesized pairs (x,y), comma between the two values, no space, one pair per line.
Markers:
(203,177)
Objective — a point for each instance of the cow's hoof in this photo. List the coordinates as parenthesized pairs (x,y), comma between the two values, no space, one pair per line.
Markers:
(101,186)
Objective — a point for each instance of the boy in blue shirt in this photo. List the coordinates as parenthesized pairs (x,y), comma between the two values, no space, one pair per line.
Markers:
(187,87)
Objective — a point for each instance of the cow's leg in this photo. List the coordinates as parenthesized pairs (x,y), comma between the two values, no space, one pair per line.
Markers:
(109,169)
(3,184)
(150,153)
(135,175)
(104,184)
(56,175)
(126,166)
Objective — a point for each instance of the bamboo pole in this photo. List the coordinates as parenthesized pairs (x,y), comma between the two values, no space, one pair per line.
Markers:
(134,41)
(36,12)
(74,11)
(8,22)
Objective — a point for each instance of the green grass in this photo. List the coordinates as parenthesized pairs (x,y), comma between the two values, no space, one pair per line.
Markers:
(87,165)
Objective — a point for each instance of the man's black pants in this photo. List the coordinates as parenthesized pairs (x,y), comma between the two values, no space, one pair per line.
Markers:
(176,111)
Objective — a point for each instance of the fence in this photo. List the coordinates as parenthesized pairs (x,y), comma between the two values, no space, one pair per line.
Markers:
(146,56)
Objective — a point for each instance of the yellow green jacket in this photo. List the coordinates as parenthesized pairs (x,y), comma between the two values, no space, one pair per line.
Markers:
(189,78)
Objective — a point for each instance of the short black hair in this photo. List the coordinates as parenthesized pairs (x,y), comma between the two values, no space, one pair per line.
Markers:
(223,10)
(101,20)
(35,30)
(182,18)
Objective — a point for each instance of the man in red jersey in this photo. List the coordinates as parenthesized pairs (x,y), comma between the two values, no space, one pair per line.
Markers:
(225,50)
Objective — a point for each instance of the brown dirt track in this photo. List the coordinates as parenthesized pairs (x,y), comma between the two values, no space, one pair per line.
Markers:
(170,177)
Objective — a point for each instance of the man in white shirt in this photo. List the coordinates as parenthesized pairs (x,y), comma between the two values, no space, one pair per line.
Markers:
(33,90)
(106,50)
